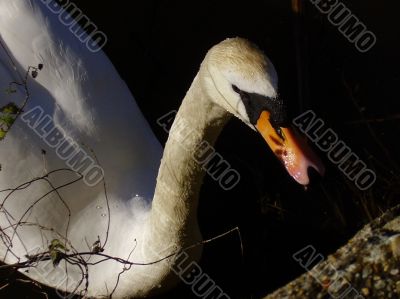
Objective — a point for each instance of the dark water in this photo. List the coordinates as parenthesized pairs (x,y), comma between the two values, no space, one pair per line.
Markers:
(157,46)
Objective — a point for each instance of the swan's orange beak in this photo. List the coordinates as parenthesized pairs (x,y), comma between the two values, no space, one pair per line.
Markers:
(291,149)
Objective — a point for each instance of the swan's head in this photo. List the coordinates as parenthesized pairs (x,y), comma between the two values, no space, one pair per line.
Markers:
(242,80)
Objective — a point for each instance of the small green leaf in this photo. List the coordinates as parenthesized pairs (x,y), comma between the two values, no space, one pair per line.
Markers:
(56,256)
(56,248)
(55,244)
(2,134)
(10,108)
(7,119)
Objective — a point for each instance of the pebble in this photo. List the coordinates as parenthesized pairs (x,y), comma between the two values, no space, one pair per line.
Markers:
(365,291)
(366,271)
(395,245)
(380,284)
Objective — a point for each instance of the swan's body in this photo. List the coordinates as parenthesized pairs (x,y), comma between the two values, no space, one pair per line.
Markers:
(85,96)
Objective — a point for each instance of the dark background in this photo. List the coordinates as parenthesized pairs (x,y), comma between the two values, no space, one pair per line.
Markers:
(157,47)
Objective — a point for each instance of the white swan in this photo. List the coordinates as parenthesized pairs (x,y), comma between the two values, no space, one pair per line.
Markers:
(90,105)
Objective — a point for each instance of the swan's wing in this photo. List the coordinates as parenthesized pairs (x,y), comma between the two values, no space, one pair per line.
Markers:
(91,107)
(80,89)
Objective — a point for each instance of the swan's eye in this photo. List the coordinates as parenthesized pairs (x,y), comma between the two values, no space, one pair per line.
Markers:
(236,89)
(244,95)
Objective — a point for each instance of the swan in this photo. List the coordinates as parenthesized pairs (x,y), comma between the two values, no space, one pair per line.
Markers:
(152,193)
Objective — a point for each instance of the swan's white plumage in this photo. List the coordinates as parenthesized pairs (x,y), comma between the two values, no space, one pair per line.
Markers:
(85,96)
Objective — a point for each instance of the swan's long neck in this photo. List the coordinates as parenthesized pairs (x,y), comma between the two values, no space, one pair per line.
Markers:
(173,219)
